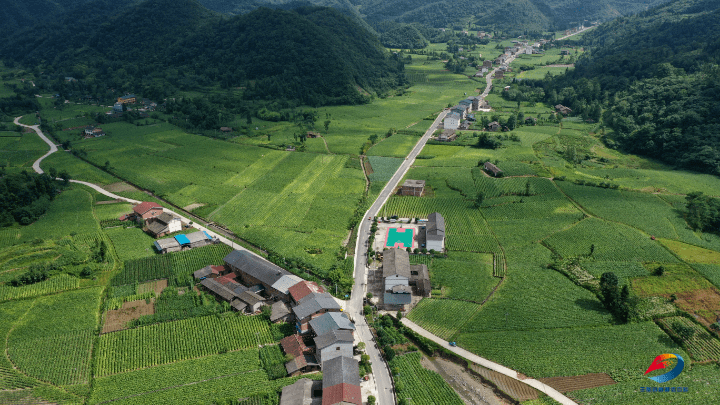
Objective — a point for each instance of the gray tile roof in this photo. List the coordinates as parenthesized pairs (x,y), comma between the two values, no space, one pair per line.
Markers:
(340,370)
(204,272)
(332,337)
(397,299)
(402,289)
(256,267)
(314,303)
(157,227)
(300,362)
(197,236)
(414,183)
(250,297)
(331,321)
(218,289)
(167,243)
(285,282)
(396,262)
(435,227)
(239,305)
(165,217)
(301,392)
(279,310)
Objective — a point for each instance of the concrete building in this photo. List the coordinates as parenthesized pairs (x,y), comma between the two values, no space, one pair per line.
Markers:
(435,232)
(331,321)
(303,392)
(164,224)
(333,344)
(341,382)
(451,121)
(254,270)
(413,187)
(312,306)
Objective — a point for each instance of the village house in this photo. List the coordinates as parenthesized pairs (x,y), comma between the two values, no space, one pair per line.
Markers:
(413,187)
(167,245)
(253,300)
(164,224)
(209,271)
(303,289)
(146,210)
(493,126)
(492,169)
(127,99)
(312,306)
(341,382)
(562,109)
(303,392)
(280,312)
(254,270)
(435,232)
(451,121)
(447,135)
(302,359)
(225,129)
(331,321)
(396,273)
(459,110)
(118,107)
(487,64)
(333,344)
(499,74)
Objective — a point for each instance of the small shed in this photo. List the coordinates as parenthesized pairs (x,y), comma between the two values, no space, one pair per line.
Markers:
(280,312)
(167,245)
(493,126)
(253,300)
(492,169)
(225,129)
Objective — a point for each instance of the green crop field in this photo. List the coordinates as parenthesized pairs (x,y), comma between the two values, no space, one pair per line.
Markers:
(168,342)
(677,278)
(701,381)
(698,342)
(433,315)
(425,387)
(175,374)
(465,276)
(395,146)
(53,340)
(175,264)
(573,351)
(383,168)
(612,242)
(131,243)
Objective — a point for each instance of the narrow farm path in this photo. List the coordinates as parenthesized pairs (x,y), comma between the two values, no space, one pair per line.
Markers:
(544,388)
(326,145)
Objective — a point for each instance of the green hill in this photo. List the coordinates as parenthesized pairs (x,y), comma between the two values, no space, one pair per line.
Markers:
(312,55)
(656,75)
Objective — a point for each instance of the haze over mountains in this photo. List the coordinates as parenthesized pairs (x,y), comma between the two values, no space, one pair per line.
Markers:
(522,14)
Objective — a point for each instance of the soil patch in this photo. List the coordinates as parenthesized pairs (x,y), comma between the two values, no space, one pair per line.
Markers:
(514,388)
(156,286)
(703,304)
(116,319)
(580,382)
(119,187)
(193,206)
(470,388)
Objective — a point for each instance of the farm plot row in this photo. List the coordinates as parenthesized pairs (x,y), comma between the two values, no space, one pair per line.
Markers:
(383,168)
(612,242)
(573,351)
(701,345)
(171,265)
(433,315)
(246,385)
(53,340)
(168,342)
(175,374)
(423,386)
(10,313)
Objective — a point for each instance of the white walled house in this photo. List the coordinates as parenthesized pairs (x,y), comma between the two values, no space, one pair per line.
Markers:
(451,121)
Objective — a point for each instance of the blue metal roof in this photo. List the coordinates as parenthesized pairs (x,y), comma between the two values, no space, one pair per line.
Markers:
(206,234)
(182,239)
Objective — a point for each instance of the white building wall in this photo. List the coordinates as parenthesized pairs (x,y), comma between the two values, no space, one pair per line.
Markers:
(451,123)
(438,246)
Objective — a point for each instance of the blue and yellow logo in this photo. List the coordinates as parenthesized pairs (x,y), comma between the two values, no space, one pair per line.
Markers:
(663,361)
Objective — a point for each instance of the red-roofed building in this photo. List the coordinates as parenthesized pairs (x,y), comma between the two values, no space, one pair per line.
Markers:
(228,278)
(294,346)
(344,394)
(303,288)
(147,210)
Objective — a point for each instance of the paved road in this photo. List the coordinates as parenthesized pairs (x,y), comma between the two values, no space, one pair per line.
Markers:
(579,32)
(546,389)
(386,396)
(53,149)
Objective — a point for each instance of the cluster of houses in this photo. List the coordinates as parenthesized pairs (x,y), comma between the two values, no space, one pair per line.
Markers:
(159,223)
(147,105)
(462,111)
(324,337)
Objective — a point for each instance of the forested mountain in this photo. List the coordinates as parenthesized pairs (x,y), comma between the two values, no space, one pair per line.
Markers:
(521,15)
(15,15)
(312,55)
(657,77)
